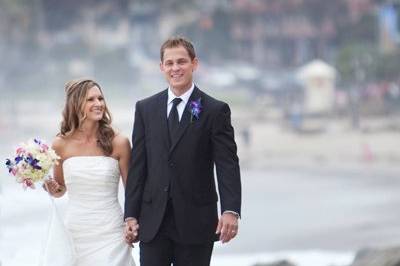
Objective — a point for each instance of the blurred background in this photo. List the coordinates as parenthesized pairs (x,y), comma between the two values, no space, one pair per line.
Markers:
(314,88)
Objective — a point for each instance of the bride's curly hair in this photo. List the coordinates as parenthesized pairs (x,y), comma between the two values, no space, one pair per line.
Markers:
(73,113)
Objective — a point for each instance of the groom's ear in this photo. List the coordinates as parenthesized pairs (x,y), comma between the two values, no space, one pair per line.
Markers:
(195,63)
(161,66)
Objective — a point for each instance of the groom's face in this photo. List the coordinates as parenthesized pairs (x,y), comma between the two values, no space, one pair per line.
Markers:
(178,68)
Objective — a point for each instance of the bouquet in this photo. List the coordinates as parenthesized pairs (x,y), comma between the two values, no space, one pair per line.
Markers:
(32,162)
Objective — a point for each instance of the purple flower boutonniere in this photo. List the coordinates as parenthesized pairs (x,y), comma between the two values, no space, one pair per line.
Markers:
(195,109)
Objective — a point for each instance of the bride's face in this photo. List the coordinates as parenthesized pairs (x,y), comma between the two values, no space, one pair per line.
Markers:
(94,105)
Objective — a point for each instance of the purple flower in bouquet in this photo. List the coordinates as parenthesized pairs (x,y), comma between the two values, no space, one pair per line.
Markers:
(33,162)
(43,146)
(195,109)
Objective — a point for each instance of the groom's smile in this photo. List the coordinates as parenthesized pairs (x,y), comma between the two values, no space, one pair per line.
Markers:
(176,76)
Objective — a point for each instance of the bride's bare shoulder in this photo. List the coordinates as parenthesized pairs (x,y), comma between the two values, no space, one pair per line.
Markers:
(121,143)
(59,145)
(120,140)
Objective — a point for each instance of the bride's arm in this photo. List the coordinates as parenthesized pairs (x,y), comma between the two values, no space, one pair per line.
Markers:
(122,148)
(56,186)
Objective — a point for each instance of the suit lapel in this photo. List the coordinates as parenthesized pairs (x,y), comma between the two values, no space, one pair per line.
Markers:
(162,117)
(185,120)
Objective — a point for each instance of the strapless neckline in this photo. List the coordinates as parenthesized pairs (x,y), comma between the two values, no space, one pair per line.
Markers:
(79,157)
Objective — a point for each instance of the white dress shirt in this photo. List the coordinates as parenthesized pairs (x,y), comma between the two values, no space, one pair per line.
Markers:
(181,106)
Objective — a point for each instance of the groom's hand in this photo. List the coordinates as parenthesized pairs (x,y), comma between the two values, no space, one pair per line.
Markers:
(131,230)
(227,226)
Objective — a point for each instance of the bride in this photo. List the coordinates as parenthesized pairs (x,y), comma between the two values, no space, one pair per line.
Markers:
(93,157)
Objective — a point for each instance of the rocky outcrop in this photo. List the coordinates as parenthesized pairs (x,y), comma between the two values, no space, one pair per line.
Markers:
(377,257)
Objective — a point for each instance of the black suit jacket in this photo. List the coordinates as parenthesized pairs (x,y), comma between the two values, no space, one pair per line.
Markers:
(182,170)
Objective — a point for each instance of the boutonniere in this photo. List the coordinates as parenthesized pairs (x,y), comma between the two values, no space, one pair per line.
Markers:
(195,109)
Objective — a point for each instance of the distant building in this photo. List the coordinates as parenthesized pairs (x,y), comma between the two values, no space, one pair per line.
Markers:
(318,79)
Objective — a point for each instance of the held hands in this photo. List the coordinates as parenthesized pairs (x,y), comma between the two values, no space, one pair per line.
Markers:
(227,226)
(131,231)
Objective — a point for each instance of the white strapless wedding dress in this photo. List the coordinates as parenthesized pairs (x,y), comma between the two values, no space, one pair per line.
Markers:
(94,216)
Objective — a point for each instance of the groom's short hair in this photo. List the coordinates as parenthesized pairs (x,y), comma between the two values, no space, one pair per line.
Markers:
(174,42)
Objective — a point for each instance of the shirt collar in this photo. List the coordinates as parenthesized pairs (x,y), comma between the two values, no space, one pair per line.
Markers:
(185,97)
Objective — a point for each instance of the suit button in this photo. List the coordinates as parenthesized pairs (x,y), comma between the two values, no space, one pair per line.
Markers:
(171,164)
(166,189)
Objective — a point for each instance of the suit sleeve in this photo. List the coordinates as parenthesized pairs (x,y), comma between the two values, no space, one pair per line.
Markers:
(137,168)
(226,161)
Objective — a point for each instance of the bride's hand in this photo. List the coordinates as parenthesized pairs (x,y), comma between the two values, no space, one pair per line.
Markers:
(52,186)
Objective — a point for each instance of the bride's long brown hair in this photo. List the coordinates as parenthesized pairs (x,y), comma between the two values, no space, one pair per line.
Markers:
(73,113)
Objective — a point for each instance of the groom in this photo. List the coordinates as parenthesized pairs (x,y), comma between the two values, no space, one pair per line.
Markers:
(179,135)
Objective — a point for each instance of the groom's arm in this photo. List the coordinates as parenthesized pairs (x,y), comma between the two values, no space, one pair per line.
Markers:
(137,169)
(228,173)
(226,161)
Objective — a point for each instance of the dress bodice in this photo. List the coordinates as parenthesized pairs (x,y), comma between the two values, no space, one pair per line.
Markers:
(91,181)
(92,187)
